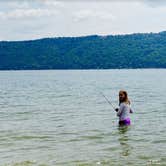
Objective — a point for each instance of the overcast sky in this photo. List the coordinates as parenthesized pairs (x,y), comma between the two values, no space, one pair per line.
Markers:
(32,19)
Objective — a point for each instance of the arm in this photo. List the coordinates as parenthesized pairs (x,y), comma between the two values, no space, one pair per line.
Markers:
(120,110)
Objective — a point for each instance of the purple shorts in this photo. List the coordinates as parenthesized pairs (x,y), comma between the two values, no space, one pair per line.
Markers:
(125,122)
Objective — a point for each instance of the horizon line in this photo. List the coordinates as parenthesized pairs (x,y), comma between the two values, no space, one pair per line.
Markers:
(82,36)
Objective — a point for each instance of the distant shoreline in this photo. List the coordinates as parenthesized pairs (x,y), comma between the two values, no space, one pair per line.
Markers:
(146,50)
(84,36)
(84,69)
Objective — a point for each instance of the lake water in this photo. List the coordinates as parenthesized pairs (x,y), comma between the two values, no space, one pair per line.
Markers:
(52,117)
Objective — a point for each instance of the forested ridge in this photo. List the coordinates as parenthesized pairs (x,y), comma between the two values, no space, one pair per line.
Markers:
(146,50)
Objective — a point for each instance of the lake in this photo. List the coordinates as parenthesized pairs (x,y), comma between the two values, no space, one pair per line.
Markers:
(59,117)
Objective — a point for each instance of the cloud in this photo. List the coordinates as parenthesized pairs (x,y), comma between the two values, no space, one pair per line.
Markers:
(152,3)
(29,3)
(22,13)
(16,4)
(51,3)
(90,14)
(16,9)
(155,3)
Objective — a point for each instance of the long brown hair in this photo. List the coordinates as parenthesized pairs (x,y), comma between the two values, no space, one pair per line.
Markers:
(126,100)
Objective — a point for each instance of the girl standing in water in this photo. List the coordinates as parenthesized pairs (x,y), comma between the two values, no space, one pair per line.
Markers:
(124,109)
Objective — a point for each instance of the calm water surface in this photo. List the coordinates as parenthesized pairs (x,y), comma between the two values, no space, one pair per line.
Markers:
(60,118)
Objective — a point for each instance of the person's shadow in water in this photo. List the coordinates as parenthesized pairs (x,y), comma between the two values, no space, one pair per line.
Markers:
(124,141)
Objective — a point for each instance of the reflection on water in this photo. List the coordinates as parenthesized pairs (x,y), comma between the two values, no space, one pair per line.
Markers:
(123,140)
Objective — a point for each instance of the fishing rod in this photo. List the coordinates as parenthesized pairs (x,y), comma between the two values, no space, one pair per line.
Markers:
(108,101)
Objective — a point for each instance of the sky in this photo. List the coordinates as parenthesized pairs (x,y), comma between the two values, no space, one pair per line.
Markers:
(34,19)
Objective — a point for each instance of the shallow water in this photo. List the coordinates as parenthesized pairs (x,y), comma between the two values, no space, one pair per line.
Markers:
(59,118)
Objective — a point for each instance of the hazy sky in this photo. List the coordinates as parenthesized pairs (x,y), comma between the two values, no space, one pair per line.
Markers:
(31,19)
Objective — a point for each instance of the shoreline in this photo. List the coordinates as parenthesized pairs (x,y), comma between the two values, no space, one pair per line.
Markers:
(82,69)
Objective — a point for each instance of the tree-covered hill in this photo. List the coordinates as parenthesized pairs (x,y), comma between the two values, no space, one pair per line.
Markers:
(90,52)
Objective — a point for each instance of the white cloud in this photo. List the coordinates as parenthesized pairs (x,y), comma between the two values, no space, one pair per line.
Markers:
(90,14)
(155,3)
(22,13)
(52,3)
(20,5)
(15,9)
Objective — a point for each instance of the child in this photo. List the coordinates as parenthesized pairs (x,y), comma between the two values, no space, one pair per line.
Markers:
(124,109)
